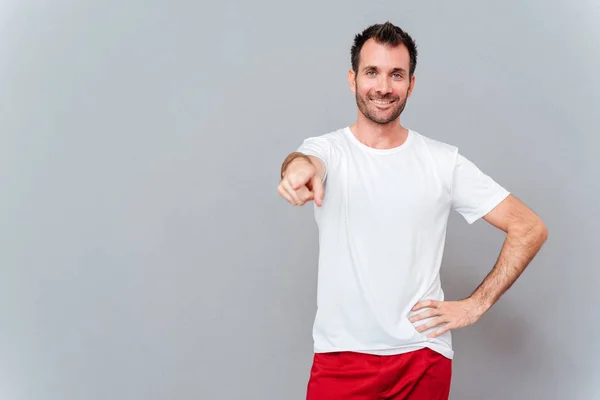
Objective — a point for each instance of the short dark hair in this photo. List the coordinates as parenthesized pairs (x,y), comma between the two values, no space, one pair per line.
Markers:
(386,33)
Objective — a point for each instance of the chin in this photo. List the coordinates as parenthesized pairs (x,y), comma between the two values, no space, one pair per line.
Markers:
(383,119)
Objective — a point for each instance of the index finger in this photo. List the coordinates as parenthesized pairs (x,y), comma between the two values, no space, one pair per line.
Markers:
(425,304)
(318,190)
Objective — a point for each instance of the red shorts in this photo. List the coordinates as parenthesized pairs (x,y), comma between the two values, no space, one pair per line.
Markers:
(417,375)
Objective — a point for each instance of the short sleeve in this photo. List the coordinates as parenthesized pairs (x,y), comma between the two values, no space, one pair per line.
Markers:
(319,147)
(474,194)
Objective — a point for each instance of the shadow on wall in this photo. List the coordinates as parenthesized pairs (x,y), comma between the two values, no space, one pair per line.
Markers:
(503,355)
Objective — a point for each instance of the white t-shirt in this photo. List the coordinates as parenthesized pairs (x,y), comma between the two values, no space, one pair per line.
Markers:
(382,229)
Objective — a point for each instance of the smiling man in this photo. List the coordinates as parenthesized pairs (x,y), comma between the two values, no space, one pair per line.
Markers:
(383,194)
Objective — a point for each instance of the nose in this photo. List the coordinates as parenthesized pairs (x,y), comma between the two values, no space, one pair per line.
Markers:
(384,86)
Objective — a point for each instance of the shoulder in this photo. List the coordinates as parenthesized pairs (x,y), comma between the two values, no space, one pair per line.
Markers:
(444,154)
(334,137)
(324,146)
(435,145)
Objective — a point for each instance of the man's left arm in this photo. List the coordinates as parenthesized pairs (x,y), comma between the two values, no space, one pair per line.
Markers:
(525,235)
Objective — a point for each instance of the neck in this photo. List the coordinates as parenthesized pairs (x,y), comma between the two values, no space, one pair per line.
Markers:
(379,136)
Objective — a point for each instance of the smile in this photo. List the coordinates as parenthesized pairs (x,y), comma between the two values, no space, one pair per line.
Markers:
(382,102)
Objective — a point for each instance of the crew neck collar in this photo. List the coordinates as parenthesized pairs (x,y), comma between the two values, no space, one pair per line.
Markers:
(373,150)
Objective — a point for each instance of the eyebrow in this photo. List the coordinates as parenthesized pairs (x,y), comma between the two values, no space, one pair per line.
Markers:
(394,70)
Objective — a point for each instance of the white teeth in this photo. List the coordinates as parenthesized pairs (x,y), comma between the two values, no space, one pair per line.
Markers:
(380,102)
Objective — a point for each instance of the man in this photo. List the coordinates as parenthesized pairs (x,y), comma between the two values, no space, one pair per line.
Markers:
(383,194)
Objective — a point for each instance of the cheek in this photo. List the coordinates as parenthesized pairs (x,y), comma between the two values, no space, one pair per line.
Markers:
(364,91)
(363,88)
(402,89)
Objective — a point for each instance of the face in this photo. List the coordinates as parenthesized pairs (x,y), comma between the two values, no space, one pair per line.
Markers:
(382,85)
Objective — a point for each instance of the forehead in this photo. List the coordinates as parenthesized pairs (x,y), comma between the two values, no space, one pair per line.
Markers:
(384,56)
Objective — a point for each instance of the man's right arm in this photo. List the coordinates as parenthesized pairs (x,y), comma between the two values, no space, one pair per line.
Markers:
(302,179)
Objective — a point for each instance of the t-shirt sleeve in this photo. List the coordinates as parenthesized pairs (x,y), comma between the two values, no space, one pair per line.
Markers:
(474,194)
(319,147)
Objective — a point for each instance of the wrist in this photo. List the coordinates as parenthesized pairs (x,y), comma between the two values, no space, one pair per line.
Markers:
(478,306)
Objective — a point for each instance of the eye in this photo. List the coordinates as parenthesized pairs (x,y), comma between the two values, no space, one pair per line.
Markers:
(397,76)
(371,73)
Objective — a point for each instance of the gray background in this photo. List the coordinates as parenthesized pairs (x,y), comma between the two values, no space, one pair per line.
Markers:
(145,253)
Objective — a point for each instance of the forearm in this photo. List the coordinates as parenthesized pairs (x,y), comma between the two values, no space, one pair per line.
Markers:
(521,245)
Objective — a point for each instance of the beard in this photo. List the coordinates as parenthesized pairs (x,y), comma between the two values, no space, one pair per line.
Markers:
(369,110)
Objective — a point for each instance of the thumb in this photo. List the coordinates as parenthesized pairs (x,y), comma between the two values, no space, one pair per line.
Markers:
(317,189)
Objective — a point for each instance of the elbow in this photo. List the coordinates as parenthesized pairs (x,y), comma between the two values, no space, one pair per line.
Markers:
(532,231)
(539,231)
(543,231)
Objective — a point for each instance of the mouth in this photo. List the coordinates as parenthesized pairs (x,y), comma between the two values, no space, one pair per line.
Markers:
(381,102)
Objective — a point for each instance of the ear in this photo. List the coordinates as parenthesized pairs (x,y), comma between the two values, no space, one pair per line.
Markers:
(352,80)
(411,86)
